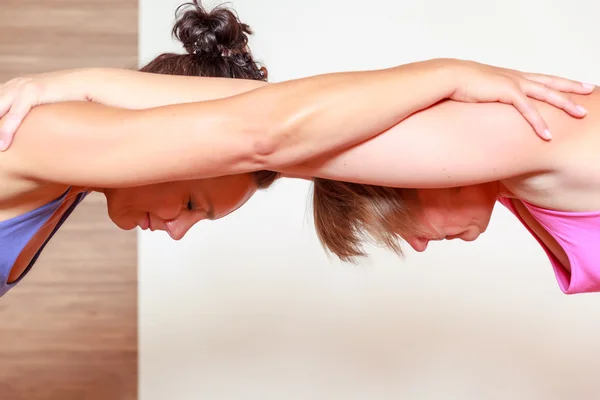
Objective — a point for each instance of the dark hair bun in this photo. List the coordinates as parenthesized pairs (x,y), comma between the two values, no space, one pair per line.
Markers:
(216,33)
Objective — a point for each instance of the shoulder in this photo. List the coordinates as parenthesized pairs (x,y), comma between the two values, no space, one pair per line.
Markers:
(572,180)
(20,196)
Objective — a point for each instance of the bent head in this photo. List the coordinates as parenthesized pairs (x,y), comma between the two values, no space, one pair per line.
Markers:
(347,214)
(217,46)
(455,213)
(175,207)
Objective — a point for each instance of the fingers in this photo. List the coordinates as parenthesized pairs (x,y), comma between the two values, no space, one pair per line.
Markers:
(527,89)
(515,96)
(5,141)
(13,110)
(5,103)
(10,124)
(526,107)
(7,131)
(553,97)
(5,124)
(7,92)
(520,89)
(561,84)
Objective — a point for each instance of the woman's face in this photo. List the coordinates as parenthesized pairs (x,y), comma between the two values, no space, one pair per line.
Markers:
(454,213)
(175,207)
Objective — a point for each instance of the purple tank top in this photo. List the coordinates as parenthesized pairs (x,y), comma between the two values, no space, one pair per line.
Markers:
(16,232)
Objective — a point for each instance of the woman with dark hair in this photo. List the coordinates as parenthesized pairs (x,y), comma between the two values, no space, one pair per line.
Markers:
(178,143)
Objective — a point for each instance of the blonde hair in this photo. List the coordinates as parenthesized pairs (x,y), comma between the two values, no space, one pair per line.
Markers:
(348,215)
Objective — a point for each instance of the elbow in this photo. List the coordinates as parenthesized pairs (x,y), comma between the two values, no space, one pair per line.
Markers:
(264,149)
(269,151)
(267,141)
(276,134)
(279,143)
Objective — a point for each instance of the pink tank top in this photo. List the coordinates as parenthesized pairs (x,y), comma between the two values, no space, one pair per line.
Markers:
(578,233)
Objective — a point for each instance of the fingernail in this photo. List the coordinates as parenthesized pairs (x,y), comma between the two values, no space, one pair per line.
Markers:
(588,85)
(547,134)
(2,145)
(581,109)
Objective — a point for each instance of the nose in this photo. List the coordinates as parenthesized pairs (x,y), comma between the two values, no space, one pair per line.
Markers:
(419,244)
(178,228)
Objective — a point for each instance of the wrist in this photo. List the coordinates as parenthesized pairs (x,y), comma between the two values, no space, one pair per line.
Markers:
(451,74)
(75,84)
(81,83)
(423,84)
(444,74)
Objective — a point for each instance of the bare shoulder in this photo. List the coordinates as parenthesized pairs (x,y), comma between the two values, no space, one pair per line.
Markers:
(574,184)
(19,196)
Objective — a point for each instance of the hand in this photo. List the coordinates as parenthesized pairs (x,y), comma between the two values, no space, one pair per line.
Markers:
(484,83)
(20,95)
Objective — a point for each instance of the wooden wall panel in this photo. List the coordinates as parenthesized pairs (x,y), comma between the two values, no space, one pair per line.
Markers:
(69,330)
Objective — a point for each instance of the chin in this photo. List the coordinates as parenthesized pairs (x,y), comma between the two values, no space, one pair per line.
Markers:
(124,224)
(471,238)
(473,235)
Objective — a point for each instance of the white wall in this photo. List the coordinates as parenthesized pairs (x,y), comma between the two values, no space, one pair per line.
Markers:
(224,314)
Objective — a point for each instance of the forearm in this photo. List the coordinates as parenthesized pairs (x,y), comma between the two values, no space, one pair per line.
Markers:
(138,90)
(284,123)
(290,122)
(309,117)
(272,127)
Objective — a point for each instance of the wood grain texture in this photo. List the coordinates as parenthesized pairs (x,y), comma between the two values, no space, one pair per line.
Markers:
(69,329)
(39,36)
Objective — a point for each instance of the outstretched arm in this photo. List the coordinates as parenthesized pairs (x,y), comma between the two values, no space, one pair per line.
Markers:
(267,128)
(464,81)
(272,127)
(453,144)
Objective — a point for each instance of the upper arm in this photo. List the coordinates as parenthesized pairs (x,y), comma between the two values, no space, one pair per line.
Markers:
(447,145)
(92,145)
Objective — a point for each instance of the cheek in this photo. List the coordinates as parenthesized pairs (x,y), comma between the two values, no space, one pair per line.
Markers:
(237,200)
(230,194)
(155,199)
(434,219)
(445,222)
(467,223)
(121,200)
